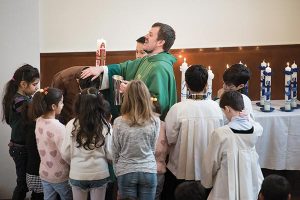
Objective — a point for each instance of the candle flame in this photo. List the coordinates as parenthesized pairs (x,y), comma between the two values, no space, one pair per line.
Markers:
(208,67)
(184,59)
(227,66)
(245,65)
(268,64)
(288,64)
(180,56)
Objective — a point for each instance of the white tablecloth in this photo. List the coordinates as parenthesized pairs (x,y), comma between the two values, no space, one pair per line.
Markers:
(279,146)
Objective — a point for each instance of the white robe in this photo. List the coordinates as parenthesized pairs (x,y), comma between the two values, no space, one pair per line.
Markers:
(188,128)
(231,165)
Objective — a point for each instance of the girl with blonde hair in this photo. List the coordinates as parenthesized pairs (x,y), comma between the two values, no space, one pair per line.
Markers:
(134,137)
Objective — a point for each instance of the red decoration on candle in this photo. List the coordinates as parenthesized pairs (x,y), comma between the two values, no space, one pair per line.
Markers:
(101,53)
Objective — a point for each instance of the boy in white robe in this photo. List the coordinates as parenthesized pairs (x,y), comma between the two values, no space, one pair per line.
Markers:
(235,78)
(188,128)
(230,164)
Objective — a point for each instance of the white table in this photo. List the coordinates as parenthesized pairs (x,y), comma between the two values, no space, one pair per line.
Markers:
(279,146)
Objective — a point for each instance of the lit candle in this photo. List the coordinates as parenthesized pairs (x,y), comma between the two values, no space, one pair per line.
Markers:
(209,83)
(287,87)
(262,68)
(183,68)
(294,85)
(227,66)
(267,74)
(101,52)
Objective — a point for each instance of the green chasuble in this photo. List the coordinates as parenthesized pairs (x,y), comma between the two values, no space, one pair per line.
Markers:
(156,72)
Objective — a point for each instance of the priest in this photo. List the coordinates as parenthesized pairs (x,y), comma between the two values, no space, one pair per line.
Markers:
(155,69)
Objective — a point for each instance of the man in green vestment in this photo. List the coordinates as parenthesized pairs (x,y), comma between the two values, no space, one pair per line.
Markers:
(155,69)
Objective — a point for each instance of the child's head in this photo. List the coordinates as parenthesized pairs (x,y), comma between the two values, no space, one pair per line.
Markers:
(88,82)
(137,105)
(275,187)
(47,100)
(196,78)
(91,114)
(232,103)
(24,81)
(235,77)
(191,190)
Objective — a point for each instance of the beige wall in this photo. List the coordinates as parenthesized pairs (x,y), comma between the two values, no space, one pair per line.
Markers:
(75,25)
(19,43)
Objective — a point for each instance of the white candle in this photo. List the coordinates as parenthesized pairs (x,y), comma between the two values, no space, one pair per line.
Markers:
(267,73)
(183,68)
(294,86)
(287,87)
(101,52)
(262,67)
(209,83)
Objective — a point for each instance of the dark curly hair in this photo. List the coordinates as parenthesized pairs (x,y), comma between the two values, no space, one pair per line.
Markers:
(92,113)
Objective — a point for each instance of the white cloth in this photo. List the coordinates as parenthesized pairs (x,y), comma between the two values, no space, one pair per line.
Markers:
(105,80)
(230,165)
(188,128)
(279,146)
(85,164)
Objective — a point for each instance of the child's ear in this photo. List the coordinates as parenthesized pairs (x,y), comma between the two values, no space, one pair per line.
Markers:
(53,106)
(23,84)
(227,108)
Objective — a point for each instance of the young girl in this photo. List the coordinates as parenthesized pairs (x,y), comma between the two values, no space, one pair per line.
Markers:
(134,137)
(84,145)
(17,94)
(49,132)
(230,164)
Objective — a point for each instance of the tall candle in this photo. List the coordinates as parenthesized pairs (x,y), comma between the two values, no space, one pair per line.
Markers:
(287,87)
(262,68)
(183,68)
(294,85)
(101,52)
(209,83)
(267,73)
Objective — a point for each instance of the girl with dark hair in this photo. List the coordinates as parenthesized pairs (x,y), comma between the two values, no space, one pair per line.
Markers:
(17,94)
(86,145)
(49,132)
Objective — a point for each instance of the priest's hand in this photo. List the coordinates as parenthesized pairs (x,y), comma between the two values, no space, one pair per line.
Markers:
(91,71)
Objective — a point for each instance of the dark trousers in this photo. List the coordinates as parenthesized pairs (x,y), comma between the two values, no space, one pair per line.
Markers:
(19,155)
(170,184)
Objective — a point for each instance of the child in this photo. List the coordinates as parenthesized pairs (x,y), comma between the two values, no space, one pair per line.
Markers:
(230,164)
(69,81)
(134,136)
(49,132)
(84,145)
(189,125)
(275,187)
(191,190)
(161,152)
(17,94)
(235,78)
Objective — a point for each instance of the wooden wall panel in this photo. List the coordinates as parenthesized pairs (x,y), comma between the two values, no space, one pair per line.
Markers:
(217,58)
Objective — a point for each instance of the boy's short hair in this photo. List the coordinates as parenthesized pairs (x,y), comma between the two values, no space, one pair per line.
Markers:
(196,78)
(191,190)
(88,82)
(275,187)
(234,99)
(237,74)
(141,40)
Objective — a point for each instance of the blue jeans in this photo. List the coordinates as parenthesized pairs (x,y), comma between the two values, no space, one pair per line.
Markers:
(87,185)
(51,190)
(139,185)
